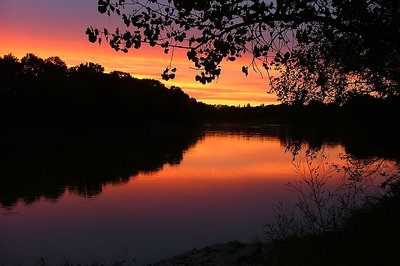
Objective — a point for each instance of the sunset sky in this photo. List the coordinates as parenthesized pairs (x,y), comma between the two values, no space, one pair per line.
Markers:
(57,28)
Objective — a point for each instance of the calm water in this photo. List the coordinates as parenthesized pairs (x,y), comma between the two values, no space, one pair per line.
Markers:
(220,186)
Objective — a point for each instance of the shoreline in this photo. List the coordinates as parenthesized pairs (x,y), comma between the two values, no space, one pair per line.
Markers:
(221,254)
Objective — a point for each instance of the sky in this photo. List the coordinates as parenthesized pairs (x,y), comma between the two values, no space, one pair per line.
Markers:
(57,28)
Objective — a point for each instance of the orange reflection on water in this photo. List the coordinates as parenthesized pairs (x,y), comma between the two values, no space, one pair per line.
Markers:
(224,189)
(219,168)
(221,157)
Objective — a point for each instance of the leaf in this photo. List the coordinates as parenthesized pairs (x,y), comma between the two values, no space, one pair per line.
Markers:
(126,20)
(102,6)
(245,70)
(92,38)
(91,35)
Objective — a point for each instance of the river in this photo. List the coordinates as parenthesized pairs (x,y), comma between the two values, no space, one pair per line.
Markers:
(149,198)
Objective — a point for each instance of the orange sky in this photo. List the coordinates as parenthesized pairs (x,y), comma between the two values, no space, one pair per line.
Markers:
(56,28)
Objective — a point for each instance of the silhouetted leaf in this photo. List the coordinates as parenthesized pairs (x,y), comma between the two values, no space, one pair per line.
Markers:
(102,6)
(245,70)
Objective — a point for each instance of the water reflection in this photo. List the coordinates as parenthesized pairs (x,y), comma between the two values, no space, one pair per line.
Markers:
(328,191)
(46,163)
(183,189)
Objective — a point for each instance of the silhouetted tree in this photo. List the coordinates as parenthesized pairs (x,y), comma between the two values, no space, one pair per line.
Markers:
(45,92)
(9,68)
(324,50)
(33,64)
(37,91)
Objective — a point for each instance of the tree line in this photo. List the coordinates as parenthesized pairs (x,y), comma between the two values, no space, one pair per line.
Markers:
(45,92)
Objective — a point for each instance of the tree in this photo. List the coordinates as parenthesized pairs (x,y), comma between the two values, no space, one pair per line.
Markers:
(9,69)
(90,67)
(324,50)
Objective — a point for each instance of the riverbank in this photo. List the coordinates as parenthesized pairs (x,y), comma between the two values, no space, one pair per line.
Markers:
(232,253)
(368,238)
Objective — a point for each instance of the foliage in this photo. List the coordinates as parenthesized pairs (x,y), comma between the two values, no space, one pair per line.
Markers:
(366,238)
(328,193)
(325,50)
(45,92)
(36,91)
